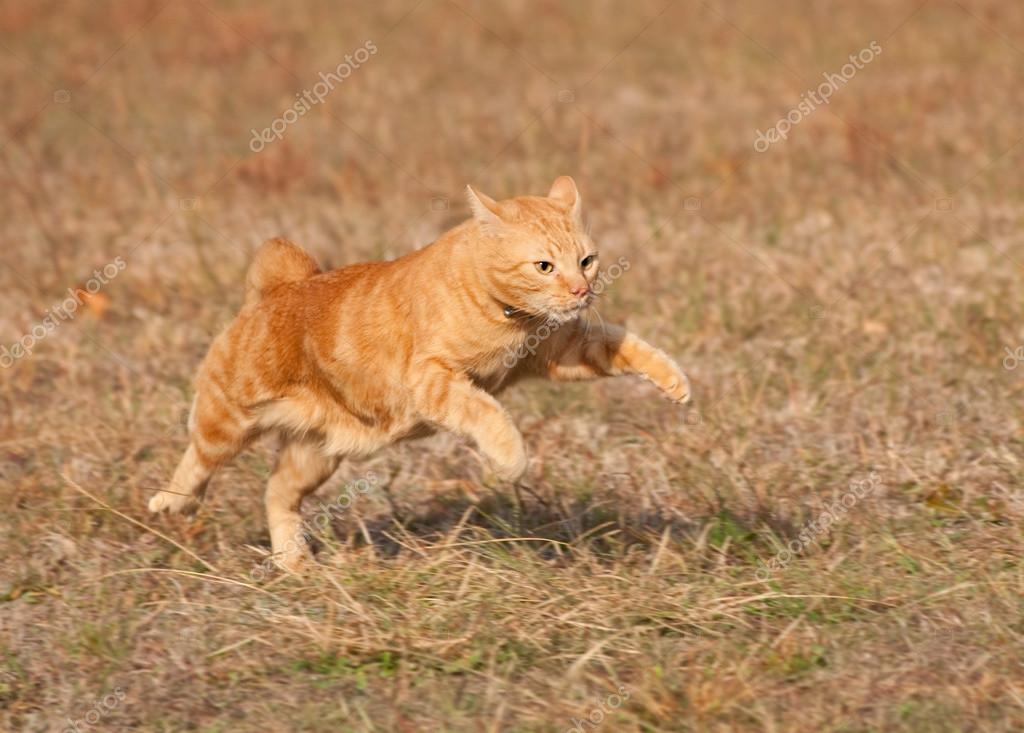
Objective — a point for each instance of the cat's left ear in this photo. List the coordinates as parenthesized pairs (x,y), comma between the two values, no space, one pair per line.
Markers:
(564,190)
(485,209)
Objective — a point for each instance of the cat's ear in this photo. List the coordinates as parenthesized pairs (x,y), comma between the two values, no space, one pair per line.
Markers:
(485,209)
(564,190)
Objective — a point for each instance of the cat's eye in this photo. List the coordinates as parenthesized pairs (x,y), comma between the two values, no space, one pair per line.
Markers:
(546,267)
(588,261)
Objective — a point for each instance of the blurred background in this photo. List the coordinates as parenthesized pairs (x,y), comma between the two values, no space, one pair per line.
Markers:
(820,204)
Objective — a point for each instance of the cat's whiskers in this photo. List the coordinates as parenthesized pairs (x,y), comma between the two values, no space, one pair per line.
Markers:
(587,325)
(597,313)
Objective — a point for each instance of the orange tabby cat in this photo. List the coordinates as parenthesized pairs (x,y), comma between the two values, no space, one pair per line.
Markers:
(345,362)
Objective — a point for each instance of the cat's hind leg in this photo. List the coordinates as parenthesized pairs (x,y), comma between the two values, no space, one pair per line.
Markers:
(302,466)
(218,430)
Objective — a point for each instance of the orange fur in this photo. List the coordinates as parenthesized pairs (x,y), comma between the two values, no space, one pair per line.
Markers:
(348,361)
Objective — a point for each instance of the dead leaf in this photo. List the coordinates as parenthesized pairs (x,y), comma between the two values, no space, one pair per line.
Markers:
(97,303)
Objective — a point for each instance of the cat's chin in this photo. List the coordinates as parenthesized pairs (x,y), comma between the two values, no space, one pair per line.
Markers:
(564,315)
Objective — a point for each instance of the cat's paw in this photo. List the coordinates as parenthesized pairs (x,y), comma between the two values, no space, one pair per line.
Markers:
(678,389)
(511,473)
(666,375)
(510,468)
(173,503)
(294,562)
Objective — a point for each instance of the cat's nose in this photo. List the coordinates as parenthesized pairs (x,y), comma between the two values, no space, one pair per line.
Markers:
(580,291)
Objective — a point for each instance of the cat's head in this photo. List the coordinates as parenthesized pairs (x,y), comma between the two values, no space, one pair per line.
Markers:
(536,257)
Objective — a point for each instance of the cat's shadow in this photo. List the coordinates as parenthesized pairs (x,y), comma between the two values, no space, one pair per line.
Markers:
(550,527)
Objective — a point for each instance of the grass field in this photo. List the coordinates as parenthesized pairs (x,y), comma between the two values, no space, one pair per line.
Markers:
(828,539)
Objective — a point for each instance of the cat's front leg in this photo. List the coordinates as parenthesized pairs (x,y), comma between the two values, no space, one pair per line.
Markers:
(448,398)
(582,351)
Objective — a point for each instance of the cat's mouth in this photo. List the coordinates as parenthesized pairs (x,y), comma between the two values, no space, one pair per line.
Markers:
(554,314)
(567,313)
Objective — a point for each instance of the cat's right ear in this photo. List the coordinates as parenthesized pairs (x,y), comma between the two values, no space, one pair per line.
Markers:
(485,209)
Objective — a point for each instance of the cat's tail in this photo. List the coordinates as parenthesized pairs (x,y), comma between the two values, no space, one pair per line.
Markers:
(277,262)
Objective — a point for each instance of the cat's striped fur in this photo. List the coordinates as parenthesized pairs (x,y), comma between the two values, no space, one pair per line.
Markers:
(345,362)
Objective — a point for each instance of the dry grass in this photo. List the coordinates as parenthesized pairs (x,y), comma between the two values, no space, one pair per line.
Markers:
(842,303)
